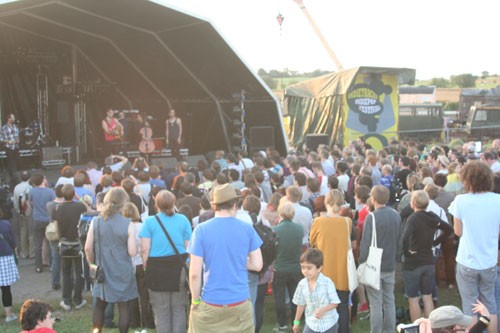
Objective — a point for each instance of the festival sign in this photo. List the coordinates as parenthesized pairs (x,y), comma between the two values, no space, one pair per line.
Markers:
(371,109)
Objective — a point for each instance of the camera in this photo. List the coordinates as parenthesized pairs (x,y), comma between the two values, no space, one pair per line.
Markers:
(408,328)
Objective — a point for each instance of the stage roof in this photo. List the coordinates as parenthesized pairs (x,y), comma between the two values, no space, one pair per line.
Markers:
(155,57)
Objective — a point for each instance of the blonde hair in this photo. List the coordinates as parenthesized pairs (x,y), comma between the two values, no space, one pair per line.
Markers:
(130,211)
(334,199)
(114,201)
(420,199)
(452,167)
(286,210)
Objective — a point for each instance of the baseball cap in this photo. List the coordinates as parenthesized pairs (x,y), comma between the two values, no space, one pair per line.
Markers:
(448,315)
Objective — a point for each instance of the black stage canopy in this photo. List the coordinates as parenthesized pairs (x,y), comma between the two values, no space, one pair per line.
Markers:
(127,54)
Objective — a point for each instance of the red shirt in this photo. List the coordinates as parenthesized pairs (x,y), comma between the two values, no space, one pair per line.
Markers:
(41,330)
(363,213)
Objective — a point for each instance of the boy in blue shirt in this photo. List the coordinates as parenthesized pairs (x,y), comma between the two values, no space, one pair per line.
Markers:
(316,294)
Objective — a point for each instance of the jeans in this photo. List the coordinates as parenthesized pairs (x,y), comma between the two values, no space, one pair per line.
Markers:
(475,285)
(343,310)
(26,237)
(72,280)
(56,264)
(497,294)
(259,306)
(382,304)
(253,283)
(169,308)
(282,282)
(39,237)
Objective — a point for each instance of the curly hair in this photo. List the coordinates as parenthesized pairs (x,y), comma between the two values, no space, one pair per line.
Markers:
(33,311)
(477,177)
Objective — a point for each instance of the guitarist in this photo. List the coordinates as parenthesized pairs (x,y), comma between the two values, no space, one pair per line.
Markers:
(113,133)
(9,136)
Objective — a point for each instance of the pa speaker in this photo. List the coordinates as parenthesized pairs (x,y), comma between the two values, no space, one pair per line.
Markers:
(193,160)
(166,163)
(261,137)
(314,140)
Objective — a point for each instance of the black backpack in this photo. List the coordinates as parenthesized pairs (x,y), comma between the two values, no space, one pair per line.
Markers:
(269,247)
(84,224)
(396,192)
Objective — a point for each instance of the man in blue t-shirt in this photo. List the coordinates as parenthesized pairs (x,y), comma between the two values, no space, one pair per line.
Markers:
(224,248)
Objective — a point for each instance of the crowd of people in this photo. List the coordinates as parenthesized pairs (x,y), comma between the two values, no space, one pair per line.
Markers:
(220,236)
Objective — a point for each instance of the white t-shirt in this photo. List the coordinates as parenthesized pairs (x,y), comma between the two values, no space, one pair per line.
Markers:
(303,216)
(137,259)
(64,181)
(480,216)
(343,182)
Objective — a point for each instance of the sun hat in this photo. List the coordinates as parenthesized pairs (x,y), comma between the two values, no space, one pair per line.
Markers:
(223,194)
(443,160)
(448,315)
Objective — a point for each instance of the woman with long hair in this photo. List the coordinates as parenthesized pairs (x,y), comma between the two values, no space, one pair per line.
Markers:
(330,234)
(111,244)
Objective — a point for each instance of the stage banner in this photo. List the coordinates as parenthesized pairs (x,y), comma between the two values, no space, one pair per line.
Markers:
(370,109)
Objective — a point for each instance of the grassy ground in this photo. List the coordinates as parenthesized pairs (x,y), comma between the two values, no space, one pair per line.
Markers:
(80,321)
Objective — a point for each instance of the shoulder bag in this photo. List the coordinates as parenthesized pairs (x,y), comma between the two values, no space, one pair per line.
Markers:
(95,271)
(352,274)
(181,258)
(369,271)
(52,229)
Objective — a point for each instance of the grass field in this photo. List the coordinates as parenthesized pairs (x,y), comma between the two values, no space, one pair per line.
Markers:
(80,321)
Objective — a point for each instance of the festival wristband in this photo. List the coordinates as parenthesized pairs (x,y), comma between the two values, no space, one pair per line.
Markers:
(296,322)
(196,301)
(485,320)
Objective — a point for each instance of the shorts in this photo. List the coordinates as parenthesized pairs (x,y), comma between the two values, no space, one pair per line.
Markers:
(419,281)
(476,284)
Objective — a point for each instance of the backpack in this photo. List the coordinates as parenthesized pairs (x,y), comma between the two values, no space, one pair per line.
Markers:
(396,192)
(25,206)
(269,247)
(84,224)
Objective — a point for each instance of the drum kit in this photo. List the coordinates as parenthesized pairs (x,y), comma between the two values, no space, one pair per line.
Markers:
(31,136)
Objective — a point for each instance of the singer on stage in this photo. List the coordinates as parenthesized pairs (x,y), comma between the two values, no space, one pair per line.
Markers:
(113,133)
(10,138)
(173,133)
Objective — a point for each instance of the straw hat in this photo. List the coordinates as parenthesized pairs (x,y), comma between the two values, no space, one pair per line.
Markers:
(224,193)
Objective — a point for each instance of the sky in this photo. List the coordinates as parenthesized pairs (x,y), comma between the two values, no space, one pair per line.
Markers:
(438,38)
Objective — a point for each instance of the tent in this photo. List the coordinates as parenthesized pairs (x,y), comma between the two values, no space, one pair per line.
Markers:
(345,105)
(69,60)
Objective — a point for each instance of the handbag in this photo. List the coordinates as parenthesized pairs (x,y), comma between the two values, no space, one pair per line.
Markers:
(352,274)
(180,257)
(96,272)
(52,229)
(70,249)
(369,271)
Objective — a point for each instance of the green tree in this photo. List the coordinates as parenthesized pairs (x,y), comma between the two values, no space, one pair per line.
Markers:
(463,80)
(440,82)
(262,72)
(271,83)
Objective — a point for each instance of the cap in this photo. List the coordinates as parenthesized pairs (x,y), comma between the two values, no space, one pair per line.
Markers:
(448,315)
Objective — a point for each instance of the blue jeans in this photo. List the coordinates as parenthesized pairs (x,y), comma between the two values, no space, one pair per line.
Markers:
(497,294)
(476,284)
(383,304)
(56,264)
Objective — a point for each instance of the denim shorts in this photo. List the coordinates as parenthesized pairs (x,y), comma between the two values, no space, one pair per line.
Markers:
(476,284)
(419,281)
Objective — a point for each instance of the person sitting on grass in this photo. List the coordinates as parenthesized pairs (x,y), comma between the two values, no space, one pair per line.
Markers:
(316,295)
(36,317)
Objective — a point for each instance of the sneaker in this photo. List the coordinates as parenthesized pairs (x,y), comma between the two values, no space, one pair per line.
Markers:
(81,305)
(363,308)
(280,329)
(365,317)
(65,306)
(10,318)
(38,269)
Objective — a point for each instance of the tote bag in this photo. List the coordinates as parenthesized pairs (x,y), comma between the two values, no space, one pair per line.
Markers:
(369,271)
(352,274)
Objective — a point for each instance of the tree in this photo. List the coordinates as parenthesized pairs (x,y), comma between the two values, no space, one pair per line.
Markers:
(484,74)
(440,82)
(271,83)
(463,80)
(262,72)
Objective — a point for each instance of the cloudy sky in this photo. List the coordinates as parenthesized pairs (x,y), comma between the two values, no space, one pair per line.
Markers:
(438,38)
